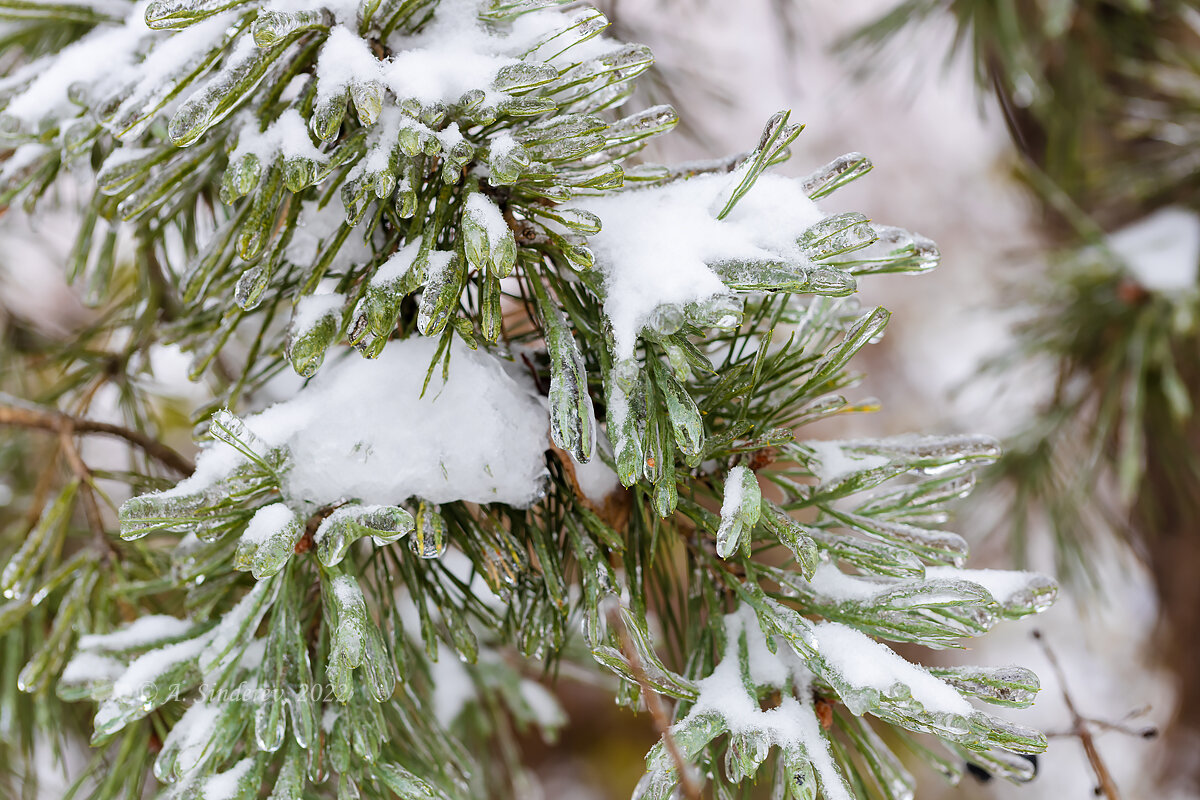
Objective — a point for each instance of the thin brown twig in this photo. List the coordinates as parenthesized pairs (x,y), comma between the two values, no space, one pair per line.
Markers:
(1144,732)
(654,704)
(91,509)
(1080,728)
(41,490)
(15,412)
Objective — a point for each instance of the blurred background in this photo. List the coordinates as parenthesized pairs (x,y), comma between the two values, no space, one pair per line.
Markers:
(1050,149)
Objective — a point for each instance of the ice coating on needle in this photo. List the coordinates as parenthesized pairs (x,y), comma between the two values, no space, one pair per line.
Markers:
(657,243)
(1018,592)
(362,430)
(192,734)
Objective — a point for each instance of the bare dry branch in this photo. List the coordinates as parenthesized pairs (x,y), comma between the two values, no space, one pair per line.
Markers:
(19,413)
(1080,727)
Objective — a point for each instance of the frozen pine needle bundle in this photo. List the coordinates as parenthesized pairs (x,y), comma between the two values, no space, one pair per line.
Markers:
(550,408)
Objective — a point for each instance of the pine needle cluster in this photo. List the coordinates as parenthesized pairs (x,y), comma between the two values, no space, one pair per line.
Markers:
(452,190)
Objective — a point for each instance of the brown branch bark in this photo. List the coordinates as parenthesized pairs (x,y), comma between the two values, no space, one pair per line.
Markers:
(14,412)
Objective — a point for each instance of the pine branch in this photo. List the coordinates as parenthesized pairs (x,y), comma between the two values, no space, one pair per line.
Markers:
(19,413)
(408,507)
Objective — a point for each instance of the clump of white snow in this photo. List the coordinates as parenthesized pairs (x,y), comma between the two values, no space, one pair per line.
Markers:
(834,462)
(864,663)
(657,243)
(487,214)
(143,631)
(345,58)
(1162,250)
(226,785)
(88,667)
(830,582)
(312,308)
(146,668)
(287,136)
(112,47)
(792,722)
(1002,584)
(398,264)
(452,54)
(266,521)
(361,429)
(735,491)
